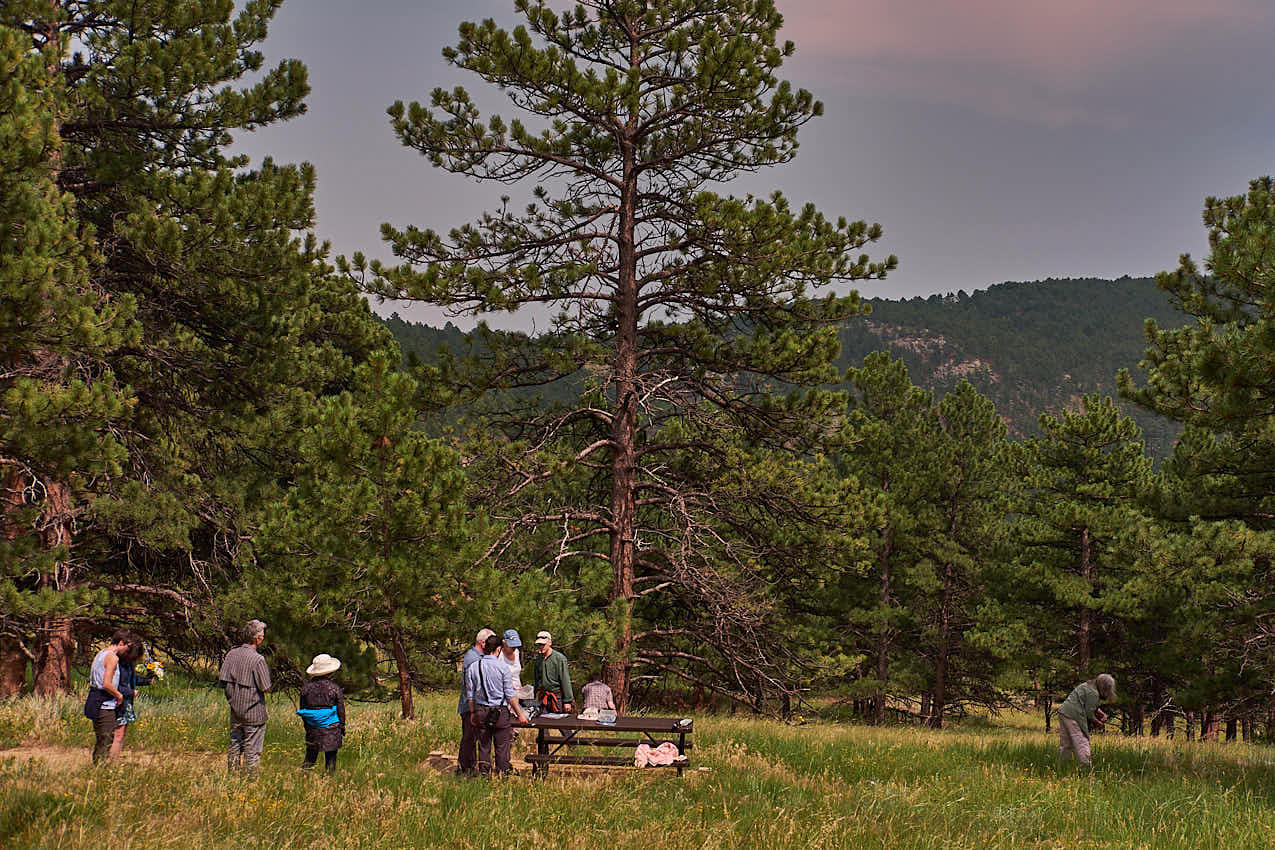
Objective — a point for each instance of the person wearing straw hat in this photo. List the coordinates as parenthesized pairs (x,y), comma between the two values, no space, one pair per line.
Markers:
(323,712)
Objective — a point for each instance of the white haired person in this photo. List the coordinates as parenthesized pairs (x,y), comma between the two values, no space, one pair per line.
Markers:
(246,678)
(467,761)
(323,712)
(1077,711)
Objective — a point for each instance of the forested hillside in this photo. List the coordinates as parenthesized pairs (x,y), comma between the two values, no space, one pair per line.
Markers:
(1031,347)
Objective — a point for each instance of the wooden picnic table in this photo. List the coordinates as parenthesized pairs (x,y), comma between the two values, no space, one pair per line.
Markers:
(572,731)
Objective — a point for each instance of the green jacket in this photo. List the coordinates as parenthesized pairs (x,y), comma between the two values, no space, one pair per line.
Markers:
(1080,705)
(550,674)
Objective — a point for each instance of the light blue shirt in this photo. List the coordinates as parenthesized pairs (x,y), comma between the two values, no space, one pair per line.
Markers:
(490,682)
(471,655)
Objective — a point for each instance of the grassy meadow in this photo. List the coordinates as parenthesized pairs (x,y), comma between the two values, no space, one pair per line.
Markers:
(986,783)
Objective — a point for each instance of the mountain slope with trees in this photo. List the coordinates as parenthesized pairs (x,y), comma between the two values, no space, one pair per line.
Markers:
(1032,348)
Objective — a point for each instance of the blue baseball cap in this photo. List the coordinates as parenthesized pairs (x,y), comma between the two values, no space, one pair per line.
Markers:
(511,637)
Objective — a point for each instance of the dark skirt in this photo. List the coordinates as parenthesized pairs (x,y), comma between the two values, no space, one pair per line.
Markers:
(324,693)
(324,740)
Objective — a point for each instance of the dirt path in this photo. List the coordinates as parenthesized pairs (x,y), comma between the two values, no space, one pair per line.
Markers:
(74,758)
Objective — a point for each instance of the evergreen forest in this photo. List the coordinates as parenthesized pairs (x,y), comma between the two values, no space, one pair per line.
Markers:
(721,478)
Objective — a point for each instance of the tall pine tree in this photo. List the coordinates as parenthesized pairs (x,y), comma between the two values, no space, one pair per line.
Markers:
(242,325)
(1082,484)
(372,535)
(60,406)
(681,305)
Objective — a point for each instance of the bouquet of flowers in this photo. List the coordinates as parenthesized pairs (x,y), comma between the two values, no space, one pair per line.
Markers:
(153,669)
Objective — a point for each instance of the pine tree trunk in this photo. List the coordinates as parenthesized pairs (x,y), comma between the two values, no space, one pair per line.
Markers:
(1157,719)
(624,426)
(53,659)
(1139,719)
(1209,725)
(883,637)
(1190,725)
(57,641)
(944,650)
(13,661)
(1082,636)
(13,669)
(1231,729)
(404,677)
(925,707)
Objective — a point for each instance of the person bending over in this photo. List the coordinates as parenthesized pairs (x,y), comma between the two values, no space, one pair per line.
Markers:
(1078,711)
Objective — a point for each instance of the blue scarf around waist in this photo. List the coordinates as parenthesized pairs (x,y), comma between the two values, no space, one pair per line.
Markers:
(320,717)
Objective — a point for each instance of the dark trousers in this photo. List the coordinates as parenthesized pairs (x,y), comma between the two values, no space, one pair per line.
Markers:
(467,761)
(312,755)
(495,726)
(103,734)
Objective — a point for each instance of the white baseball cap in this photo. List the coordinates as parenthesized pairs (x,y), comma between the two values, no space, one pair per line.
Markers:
(544,637)
(483,634)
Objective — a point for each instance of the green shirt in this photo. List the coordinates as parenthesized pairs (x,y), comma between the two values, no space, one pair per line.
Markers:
(1080,705)
(550,674)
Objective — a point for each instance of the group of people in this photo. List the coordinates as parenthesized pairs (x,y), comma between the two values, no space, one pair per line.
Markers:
(246,678)
(492,694)
(113,683)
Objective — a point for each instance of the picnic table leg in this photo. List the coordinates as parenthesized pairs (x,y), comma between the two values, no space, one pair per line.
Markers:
(542,748)
(681,751)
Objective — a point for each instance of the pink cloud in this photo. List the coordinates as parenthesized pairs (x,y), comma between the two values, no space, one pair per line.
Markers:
(1001,56)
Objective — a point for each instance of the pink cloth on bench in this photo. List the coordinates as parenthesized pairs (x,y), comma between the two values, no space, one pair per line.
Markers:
(665,753)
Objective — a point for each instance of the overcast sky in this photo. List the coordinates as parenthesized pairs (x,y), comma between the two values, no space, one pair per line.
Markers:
(993,139)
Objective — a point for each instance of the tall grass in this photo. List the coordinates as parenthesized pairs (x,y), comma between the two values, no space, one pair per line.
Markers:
(768,785)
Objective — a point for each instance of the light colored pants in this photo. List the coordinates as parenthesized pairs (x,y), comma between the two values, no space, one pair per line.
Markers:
(1072,740)
(246,742)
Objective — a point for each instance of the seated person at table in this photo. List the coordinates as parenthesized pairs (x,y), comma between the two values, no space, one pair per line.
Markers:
(597,694)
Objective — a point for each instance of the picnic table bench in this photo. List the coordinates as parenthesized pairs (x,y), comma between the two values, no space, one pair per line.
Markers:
(627,732)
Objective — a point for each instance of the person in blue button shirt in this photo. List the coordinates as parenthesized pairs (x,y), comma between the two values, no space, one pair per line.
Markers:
(491,698)
(467,761)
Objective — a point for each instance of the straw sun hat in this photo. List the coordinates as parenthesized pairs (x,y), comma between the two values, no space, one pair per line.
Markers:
(322,665)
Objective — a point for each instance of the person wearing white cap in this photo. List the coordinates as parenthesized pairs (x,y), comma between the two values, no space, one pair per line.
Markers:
(467,761)
(323,712)
(551,677)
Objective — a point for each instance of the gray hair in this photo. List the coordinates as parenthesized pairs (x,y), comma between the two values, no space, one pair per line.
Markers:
(1106,685)
(252,630)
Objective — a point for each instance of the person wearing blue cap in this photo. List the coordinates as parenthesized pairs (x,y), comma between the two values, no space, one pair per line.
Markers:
(512,655)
